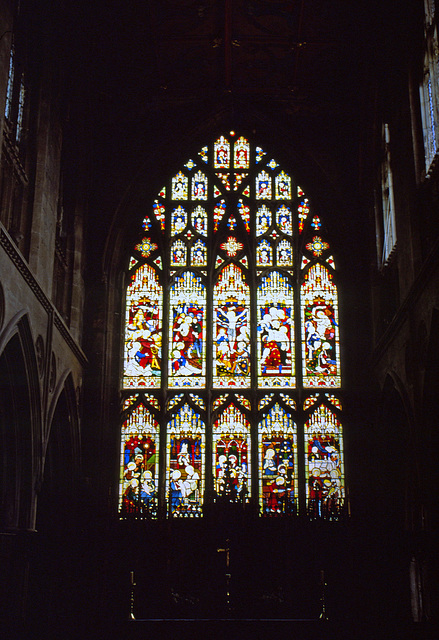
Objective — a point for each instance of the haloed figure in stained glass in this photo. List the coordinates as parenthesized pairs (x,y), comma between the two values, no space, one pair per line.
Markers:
(186,331)
(185,463)
(275,336)
(324,463)
(278,475)
(232,328)
(187,339)
(139,463)
(278,462)
(143,338)
(231,468)
(232,339)
(320,334)
(185,476)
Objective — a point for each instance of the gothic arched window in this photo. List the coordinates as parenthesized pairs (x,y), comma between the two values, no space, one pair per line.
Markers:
(231,371)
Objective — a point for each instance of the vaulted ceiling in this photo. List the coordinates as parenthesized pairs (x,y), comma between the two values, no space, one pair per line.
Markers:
(160,76)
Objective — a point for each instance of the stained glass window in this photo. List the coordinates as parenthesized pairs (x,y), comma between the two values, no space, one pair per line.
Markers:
(324,463)
(199,186)
(10,87)
(283,186)
(199,254)
(263,186)
(185,463)
(263,220)
(139,463)
(284,220)
(180,187)
(199,220)
(241,153)
(231,342)
(221,153)
(278,462)
(187,329)
(178,221)
(264,254)
(231,454)
(284,254)
(178,253)
(320,335)
(143,330)
(276,331)
(429,94)
(231,329)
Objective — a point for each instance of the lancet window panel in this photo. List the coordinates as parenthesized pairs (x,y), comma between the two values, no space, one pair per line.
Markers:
(143,330)
(232,455)
(187,332)
(178,220)
(231,316)
(241,153)
(139,463)
(284,220)
(199,254)
(277,435)
(185,463)
(221,153)
(324,464)
(320,331)
(282,186)
(263,220)
(276,360)
(180,186)
(199,220)
(231,329)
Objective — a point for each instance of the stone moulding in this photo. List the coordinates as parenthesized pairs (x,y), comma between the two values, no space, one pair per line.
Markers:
(23,268)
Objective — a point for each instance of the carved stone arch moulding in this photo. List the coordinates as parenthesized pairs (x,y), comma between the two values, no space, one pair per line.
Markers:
(2,306)
(52,374)
(39,352)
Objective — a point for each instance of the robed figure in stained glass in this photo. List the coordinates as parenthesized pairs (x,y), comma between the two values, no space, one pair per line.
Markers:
(143,337)
(324,463)
(278,462)
(231,328)
(185,463)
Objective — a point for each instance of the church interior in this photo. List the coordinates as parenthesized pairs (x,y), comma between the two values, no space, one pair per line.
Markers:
(101,105)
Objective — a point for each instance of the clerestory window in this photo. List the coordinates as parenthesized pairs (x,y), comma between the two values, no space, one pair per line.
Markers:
(388,238)
(231,382)
(429,89)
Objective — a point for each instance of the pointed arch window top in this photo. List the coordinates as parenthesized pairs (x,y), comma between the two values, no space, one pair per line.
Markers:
(180,187)
(283,186)
(241,153)
(221,153)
